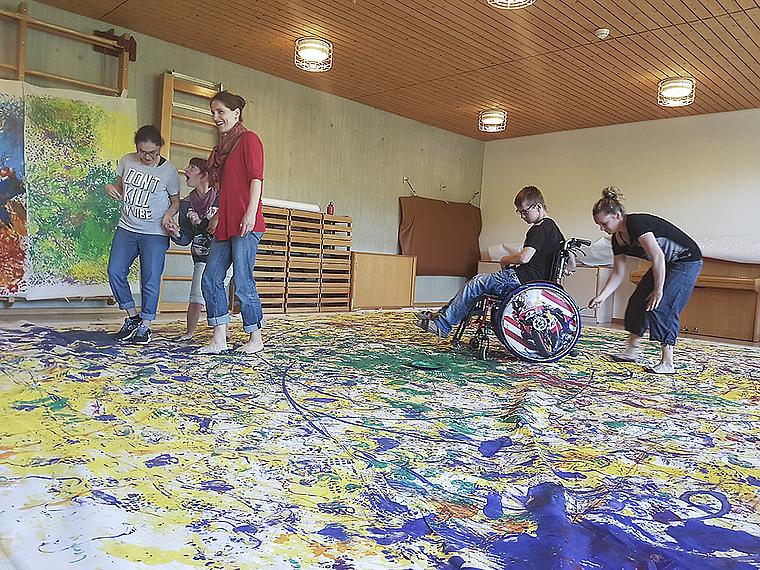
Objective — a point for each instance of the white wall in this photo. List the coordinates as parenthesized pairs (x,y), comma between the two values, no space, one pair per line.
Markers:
(701,173)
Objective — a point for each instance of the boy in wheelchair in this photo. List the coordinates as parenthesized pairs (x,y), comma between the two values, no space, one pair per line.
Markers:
(534,263)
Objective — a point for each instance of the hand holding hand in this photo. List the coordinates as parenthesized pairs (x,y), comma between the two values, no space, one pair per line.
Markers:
(173,230)
(169,224)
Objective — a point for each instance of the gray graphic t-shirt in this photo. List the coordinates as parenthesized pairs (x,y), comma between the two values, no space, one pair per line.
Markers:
(146,194)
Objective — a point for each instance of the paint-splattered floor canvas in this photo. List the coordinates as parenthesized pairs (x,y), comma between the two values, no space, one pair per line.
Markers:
(357,442)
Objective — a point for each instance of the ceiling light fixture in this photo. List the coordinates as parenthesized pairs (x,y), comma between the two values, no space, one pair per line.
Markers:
(676,91)
(602,33)
(492,120)
(510,4)
(313,54)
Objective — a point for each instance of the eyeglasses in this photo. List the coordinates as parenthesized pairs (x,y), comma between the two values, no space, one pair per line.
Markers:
(526,210)
(152,153)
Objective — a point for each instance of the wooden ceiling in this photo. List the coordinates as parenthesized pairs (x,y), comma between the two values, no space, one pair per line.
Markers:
(440,62)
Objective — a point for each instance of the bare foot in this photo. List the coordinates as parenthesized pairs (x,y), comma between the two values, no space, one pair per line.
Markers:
(186,336)
(624,357)
(252,346)
(213,348)
(660,369)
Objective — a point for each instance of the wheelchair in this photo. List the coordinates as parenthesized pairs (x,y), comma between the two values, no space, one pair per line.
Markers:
(537,322)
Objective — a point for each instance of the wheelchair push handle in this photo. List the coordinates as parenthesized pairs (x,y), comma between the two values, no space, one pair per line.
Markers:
(576,243)
(571,246)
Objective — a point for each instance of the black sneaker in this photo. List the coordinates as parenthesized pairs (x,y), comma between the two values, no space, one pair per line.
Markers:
(128,328)
(142,335)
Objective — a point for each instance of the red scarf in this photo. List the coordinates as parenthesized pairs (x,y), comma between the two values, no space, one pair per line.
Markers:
(222,151)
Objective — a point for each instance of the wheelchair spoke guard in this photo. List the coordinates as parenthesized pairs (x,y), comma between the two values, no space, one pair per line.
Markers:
(538,322)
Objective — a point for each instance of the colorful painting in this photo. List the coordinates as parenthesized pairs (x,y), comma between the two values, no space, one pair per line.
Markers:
(72,144)
(356,442)
(13,248)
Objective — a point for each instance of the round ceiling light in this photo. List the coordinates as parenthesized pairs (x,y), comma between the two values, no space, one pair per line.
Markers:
(510,4)
(313,54)
(492,120)
(676,91)
(602,33)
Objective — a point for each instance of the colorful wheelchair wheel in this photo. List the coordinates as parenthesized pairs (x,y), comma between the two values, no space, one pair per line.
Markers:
(538,322)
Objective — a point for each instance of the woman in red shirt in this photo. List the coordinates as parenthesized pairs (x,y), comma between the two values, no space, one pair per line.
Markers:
(237,171)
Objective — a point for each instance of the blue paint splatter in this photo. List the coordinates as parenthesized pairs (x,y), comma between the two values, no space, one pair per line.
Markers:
(203,422)
(217,485)
(568,475)
(560,543)
(246,529)
(336,531)
(491,447)
(386,443)
(102,497)
(161,461)
(493,508)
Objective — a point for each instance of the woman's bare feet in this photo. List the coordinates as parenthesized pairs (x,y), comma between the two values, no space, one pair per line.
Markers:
(218,343)
(213,348)
(660,368)
(254,344)
(624,357)
(665,366)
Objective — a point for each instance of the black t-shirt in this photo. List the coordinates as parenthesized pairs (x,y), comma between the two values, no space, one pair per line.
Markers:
(546,238)
(675,244)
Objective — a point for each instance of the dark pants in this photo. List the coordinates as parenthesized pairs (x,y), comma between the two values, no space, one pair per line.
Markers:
(663,323)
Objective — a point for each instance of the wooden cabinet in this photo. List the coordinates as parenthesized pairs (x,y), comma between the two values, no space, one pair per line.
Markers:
(725,302)
(382,281)
(303,264)
(584,285)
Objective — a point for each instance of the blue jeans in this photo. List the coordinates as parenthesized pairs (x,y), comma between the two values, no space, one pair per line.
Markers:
(663,323)
(125,248)
(499,283)
(240,252)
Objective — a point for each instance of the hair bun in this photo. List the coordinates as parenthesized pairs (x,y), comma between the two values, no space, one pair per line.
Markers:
(612,193)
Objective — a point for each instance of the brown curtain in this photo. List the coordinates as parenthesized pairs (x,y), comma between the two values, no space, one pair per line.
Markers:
(443,235)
